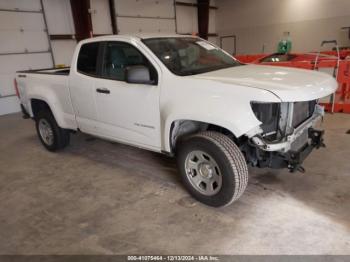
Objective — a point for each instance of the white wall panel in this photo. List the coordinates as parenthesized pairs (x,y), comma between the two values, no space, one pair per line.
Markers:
(187,19)
(21,20)
(101,20)
(59,17)
(229,44)
(212,21)
(28,5)
(20,32)
(145,8)
(9,64)
(12,63)
(14,42)
(6,85)
(9,105)
(145,25)
(214,40)
(63,51)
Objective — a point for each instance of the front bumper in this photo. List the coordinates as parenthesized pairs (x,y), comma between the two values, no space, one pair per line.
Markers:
(292,159)
(292,150)
(296,158)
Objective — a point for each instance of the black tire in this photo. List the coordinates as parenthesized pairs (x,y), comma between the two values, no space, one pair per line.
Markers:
(61,136)
(229,160)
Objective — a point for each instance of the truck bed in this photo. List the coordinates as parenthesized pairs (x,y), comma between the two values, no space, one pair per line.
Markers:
(51,83)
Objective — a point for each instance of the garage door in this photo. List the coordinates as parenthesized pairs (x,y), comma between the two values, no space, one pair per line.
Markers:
(24,45)
(187,18)
(145,16)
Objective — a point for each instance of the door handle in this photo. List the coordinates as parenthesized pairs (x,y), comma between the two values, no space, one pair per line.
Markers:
(103,90)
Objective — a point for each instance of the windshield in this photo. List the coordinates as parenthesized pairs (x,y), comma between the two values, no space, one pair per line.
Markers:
(189,56)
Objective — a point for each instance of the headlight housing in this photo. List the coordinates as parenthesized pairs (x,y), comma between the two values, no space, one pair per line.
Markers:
(268,114)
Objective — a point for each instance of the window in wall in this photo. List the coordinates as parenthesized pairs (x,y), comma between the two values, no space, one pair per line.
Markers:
(87,59)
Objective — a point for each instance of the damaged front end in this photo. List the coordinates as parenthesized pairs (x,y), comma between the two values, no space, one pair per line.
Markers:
(286,136)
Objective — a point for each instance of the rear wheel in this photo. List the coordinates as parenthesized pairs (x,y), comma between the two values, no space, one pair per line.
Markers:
(212,167)
(50,134)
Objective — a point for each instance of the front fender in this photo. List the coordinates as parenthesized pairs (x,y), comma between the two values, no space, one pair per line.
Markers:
(210,102)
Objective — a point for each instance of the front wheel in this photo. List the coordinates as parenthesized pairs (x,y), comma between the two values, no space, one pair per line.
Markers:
(212,167)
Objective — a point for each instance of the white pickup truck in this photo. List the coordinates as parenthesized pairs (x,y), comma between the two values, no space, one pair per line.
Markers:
(182,96)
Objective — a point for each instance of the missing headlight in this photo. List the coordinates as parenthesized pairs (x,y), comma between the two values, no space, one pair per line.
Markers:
(268,114)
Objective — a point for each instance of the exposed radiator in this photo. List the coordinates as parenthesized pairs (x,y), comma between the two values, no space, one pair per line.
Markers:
(303,111)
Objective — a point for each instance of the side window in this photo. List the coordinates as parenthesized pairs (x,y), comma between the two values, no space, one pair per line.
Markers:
(87,59)
(118,56)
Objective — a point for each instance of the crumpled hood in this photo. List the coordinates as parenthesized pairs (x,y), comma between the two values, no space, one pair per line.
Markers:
(289,84)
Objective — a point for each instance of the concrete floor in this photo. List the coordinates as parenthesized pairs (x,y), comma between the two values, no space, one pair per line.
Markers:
(96,197)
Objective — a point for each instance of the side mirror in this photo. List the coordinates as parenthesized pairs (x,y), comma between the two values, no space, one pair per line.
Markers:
(138,74)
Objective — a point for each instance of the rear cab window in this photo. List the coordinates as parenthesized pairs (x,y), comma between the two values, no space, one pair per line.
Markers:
(88,58)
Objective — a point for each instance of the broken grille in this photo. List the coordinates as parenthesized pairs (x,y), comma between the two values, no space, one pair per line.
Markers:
(302,111)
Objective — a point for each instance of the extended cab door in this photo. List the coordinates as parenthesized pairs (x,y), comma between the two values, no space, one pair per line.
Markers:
(127,112)
(82,86)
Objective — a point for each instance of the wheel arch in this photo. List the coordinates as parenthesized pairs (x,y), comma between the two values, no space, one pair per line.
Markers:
(178,128)
(37,103)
